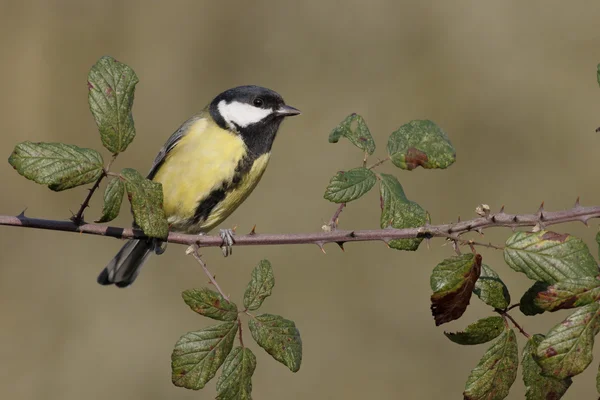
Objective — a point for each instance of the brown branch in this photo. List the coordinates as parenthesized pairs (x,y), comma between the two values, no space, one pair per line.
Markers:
(577,213)
(239,322)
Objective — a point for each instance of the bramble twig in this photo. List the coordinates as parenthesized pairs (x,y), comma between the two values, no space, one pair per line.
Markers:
(193,250)
(501,219)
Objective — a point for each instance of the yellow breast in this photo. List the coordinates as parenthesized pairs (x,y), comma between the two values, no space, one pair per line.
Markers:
(201,162)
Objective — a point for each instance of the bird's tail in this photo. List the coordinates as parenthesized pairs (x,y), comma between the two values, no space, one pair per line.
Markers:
(125,266)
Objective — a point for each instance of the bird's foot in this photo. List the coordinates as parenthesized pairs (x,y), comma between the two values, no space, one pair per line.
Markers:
(227,245)
(160,247)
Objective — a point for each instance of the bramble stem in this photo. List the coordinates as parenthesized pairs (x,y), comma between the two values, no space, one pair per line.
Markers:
(453,230)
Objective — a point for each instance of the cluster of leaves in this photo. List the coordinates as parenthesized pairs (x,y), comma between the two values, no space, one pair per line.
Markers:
(565,275)
(63,166)
(417,143)
(198,355)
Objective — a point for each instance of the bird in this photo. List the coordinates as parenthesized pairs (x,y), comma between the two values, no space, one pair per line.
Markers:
(207,168)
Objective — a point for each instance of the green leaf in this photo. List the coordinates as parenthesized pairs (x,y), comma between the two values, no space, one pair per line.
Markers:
(279,337)
(198,355)
(360,136)
(113,197)
(567,349)
(235,382)
(527,303)
(420,143)
(549,257)
(58,165)
(482,331)
(492,378)
(399,212)
(490,288)
(111,87)
(210,304)
(598,380)
(346,186)
(452,282)
(260,286)
(537,386)
(570,293)
(146,198)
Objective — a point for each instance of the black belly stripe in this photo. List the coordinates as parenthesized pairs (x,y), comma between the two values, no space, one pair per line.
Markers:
(208,204)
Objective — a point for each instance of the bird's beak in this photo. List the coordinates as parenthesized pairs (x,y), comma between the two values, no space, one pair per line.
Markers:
(287,111)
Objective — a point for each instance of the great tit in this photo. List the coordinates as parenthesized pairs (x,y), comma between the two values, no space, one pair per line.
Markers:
(207,168)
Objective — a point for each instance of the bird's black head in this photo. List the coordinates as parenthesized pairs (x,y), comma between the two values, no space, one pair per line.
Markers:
(254,112)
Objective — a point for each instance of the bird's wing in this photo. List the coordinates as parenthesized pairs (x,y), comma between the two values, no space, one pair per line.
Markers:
(170,145)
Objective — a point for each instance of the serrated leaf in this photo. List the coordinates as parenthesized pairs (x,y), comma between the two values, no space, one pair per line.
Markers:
(479,332)
(235,382)
(210,304)
(549,256)
(399,212)
(452,282)
(279,337)
(346,186)
(490,288)
(58,165)
(570,293)
(537,386)
(111,87)
(198,355)
(146,198)
(492,378)
(420,143)
(260,286)
(567,349)
(113,197)
(527,303)
(360,136)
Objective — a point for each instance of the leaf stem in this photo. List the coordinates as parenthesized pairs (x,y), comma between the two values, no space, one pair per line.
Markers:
(378,163)
(506,315)
(333,222)
(239,322)
(78,218)
(213,281)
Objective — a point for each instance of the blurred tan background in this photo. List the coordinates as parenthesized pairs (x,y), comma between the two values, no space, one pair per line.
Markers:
(512,83)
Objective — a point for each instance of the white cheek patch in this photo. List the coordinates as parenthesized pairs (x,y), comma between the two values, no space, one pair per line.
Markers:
(241,114)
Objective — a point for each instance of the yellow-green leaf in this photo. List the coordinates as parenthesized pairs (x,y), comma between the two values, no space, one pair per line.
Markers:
(210,304)
(261,284)
(58,165)
(420,143)
(355,129)
(399,212)
(146,198)
(479,332)
(111,87)
(198,355)
(549,256)
(537,386)
(235,382)
(346,186)
(492,378)
(113,197)
(279,337)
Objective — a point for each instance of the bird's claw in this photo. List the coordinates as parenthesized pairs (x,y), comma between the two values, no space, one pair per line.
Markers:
(227,245)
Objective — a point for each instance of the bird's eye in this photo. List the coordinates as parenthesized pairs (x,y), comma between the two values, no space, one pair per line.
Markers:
(258,102)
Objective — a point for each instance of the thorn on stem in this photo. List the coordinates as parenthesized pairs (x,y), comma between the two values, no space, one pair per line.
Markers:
(577,205)
(253,231)
(341,244)
(320,244)
(501,210)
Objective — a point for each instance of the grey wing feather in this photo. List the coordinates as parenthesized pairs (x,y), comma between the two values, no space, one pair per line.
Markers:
(170,144)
